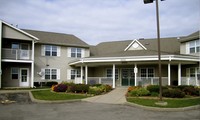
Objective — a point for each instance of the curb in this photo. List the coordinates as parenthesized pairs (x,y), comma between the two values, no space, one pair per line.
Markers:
(163,109)
(47,101)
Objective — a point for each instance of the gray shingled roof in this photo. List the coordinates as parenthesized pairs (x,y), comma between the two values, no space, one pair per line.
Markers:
(190,37)
(116,48)
(57,38)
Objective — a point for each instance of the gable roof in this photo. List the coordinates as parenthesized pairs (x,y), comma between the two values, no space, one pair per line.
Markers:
(19,30)
(116,48)
(133,42)
(190,37)
(57,38)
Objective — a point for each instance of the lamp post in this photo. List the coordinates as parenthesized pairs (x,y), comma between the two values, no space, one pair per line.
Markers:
(158,37)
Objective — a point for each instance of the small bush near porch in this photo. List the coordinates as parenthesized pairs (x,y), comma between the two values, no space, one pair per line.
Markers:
(81,88)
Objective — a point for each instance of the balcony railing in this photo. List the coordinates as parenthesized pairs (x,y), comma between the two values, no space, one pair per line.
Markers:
(143,81)
(190,81)
(16,54)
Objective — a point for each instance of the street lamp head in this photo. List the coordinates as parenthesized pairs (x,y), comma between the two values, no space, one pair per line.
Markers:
(148,1)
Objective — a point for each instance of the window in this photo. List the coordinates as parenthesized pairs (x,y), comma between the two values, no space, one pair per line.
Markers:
(109,73)
(147,72)
(15,46)
(14,73)
(50,50)
(76,52)
(192,72)
(75,73)
(50,74)
(194,46)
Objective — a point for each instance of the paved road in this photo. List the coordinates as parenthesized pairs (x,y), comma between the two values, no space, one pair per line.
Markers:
(88,111)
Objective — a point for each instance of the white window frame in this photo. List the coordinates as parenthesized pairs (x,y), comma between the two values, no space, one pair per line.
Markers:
(52,50)
(110,75)
(77,52)
(17,73)
(52,72)
(195,44)
(147,72)
(75,73)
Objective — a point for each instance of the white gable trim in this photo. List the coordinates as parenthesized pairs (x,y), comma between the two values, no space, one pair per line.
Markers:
(135,40)
(25,33)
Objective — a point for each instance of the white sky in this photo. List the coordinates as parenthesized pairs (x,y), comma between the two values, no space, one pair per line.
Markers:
(95,21)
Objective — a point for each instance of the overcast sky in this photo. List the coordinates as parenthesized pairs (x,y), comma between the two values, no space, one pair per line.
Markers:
(96,21)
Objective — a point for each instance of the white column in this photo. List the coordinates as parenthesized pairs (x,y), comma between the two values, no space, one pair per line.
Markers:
(32,64)
(135,71)
(86,74)
(113,76)
(169,74)
(179,74)
(81,74)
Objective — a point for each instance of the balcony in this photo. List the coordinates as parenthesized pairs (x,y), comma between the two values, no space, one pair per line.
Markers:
(16,54)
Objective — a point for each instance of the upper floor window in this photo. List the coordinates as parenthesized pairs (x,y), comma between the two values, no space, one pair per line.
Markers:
(194,46)
(76,52)
(75,73)
(50,50)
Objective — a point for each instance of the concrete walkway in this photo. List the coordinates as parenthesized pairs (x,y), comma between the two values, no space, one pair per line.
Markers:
(116,96)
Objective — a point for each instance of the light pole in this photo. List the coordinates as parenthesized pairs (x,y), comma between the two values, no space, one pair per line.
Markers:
(158,37)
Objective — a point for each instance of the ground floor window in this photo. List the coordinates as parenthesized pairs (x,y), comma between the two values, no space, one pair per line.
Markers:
(51,74)
(193,72)
(75,73)
(14,73)
(109,73)
(147,72)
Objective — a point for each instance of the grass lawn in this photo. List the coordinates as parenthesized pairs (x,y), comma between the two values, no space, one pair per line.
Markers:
(48,95)
(172,103)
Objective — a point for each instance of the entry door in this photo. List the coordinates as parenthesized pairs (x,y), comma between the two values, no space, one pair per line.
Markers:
(24,51)
(24,77)
(128,77)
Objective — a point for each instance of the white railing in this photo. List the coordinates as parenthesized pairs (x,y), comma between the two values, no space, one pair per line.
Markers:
(16,54)
(143,81)
(190,81)
(100,80)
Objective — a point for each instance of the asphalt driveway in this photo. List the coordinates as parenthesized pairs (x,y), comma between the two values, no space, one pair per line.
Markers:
(87,111)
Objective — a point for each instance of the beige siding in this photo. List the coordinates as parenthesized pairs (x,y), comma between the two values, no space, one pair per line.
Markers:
(12,33)
(183,48)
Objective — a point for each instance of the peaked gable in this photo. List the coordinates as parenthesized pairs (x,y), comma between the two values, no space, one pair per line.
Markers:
(135,45)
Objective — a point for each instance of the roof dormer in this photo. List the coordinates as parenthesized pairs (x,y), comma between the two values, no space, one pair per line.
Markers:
(135,45)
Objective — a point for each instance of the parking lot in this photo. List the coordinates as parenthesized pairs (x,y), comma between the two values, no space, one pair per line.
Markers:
(87,111)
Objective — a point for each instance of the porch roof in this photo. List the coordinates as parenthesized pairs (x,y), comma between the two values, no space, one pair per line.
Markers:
(153,58)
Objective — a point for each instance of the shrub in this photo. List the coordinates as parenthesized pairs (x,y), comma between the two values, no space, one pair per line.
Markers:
(181,87)
(173,93)
(95,90)
(59,88)
(139,92)
(155,88)
(131,88)
(78,88)
(190,90)
(154,94)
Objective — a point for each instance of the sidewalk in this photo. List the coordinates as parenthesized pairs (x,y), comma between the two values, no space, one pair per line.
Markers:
(116,96)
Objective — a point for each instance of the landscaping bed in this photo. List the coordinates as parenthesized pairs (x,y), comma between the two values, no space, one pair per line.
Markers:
(175,96)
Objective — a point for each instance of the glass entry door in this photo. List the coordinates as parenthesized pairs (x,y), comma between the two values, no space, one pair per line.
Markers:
(128,77)
(24,77)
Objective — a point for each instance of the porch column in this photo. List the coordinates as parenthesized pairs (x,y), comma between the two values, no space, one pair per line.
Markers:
(179,74)
(135,71)
(113,76)
(81,74)
(32,74)
(32,64)
(169,74)
(1,29)
(86,74)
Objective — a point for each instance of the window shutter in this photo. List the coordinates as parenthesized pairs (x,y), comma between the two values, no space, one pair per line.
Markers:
(58,51)
(187,47)
(68,74)
(68,52)
(58,74)
(43,74)
(82,52)
(42,50)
